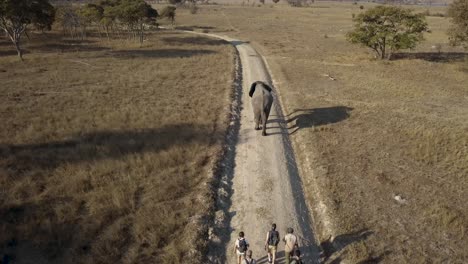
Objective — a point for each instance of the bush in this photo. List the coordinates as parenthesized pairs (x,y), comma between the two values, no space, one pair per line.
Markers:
(361,7)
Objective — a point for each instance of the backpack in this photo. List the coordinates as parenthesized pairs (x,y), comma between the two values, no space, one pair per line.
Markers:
(242,245)
(273,238)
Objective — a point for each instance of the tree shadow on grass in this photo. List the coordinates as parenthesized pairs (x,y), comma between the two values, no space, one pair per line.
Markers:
(192,28)
(442,57)
(197,40)
(338,243)
(159,53)
(20,158)
(32,222)
(5,42)
(66,47)
(35,233)
(10,52)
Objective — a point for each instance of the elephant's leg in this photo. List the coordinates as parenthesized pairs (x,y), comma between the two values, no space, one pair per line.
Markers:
(264,121)
(257,121)
(267,111)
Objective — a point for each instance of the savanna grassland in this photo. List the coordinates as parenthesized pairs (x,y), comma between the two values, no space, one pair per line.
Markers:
(382,144)
(107,149)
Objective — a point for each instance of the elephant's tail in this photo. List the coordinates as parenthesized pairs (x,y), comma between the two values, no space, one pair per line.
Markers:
(252,89)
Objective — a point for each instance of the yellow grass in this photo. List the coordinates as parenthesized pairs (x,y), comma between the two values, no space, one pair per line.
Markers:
(382,129)
(106,148)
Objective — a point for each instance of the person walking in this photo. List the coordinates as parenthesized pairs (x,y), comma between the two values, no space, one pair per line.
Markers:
(296,259)
(290,245)
(248,258)
(271,243)
(241,246)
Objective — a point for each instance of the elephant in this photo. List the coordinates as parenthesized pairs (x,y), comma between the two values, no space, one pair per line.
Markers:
(262,99)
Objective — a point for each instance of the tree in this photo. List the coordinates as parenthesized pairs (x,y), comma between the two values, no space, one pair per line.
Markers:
(458,32)
(169,12)
(134,14)
(276,1)
(90,14)
(17,15)
(67,16)
(386,29)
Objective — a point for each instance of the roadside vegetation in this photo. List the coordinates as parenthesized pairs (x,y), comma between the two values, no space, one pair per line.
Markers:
(458,13)
(107,144)
(383,143)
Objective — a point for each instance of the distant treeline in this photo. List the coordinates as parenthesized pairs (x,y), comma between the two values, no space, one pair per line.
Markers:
(130,17)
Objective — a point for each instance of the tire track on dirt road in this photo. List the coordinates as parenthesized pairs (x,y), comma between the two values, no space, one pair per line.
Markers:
(260,177)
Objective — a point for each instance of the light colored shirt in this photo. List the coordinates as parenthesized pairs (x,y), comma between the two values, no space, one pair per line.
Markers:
(237,244)
(290,240)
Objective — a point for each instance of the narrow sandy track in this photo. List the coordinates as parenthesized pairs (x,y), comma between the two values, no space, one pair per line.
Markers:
(260,181)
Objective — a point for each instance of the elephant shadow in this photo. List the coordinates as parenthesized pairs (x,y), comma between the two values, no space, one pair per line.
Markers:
(313,117)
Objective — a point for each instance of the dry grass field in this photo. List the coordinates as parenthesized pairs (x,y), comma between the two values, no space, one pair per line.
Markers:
(384,145)
(106,148)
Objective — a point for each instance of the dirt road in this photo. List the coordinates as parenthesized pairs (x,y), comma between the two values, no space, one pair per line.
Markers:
(260,183)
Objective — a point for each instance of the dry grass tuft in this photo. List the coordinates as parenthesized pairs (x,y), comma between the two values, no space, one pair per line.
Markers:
(106,148)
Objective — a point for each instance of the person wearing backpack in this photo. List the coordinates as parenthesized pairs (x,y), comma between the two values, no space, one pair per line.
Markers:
(271,243)
(291,244)
(248,258)
(241,247)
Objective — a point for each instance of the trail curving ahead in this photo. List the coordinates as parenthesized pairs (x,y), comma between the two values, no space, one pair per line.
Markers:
(260,183)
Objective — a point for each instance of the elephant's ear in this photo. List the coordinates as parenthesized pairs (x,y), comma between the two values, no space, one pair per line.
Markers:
(252,89)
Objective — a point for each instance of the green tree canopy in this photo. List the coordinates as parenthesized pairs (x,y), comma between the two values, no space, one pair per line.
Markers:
(17,15)
(135,14)
(458,32)
(386,29)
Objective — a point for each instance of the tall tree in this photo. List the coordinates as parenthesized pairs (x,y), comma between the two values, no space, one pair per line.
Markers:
(386,29)
(169,12)
(458,32)
(90,14)
(17,15)
(134,14)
